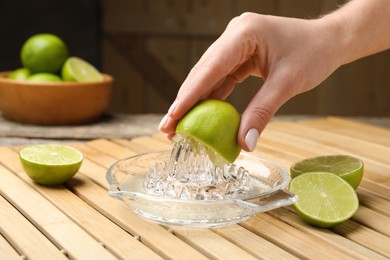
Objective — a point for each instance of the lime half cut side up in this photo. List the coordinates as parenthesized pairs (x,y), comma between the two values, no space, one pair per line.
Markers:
(325,199)
(347,167)
(79,70)
(50,164)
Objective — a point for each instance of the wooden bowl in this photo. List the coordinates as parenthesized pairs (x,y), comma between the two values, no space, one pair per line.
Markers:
(53,103)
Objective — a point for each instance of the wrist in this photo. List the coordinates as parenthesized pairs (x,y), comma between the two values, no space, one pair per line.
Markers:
(336,38)
(358,29)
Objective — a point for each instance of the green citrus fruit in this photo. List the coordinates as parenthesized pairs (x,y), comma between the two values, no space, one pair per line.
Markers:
(44,77)
(347,167)
(21,73)
(50,164)
(44,53)
(214,124)
(77,69)
(325,199)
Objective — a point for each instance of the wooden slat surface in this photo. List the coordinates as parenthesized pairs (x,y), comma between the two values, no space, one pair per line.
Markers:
(78,220)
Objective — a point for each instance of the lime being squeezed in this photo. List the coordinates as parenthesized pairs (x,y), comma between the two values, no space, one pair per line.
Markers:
(202,166)
(214,124)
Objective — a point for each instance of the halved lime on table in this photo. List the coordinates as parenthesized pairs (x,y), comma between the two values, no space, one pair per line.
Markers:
(347,167)
(213,123)
(79,70)
(50,164)
(325,199)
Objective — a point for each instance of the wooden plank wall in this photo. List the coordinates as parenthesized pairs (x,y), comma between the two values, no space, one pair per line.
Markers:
(149,46)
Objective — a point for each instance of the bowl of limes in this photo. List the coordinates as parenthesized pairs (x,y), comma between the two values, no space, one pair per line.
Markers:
(52,87)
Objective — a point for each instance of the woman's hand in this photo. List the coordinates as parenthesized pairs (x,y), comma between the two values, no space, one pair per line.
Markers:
(291,55)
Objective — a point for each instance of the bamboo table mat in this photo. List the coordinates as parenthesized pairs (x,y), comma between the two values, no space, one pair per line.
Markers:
(79,220)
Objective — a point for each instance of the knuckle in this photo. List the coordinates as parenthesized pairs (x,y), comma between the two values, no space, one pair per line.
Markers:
(263,114)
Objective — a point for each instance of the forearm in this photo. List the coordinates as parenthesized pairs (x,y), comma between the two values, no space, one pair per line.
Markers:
(362,28)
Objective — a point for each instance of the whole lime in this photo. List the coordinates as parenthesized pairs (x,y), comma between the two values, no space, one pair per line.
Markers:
(21,73)
(44,77)
(213,123)
(44,53)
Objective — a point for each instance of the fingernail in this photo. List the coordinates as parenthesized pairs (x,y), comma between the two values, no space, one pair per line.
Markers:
(162,122)
(172,107)
(251,138)
(170,136)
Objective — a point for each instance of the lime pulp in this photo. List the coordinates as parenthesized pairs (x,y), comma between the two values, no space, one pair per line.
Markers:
(50,164)
(325,199)
(79,70)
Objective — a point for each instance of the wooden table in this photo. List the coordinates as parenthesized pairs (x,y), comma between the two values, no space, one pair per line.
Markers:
(80,221)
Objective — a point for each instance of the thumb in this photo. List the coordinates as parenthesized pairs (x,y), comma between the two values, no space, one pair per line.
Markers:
(259,112)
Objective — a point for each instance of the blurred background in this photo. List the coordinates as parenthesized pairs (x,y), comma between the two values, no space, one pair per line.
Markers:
(149,46)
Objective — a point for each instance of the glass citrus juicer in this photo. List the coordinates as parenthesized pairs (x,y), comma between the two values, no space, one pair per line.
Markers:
(183,187)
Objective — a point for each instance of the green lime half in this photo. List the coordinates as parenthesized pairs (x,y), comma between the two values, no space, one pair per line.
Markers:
(347,167)
(50,164)
(325,199)
(77,69)
(213,123)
